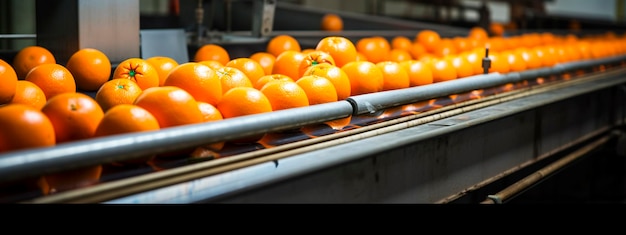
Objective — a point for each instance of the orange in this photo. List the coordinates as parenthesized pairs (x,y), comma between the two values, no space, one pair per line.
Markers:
(513,42)
(562,54)
(462,66)
(284,94)
(70,179)
(30,94)
(401,42)
(331,22)
(540,54)
(475,58)
(214,64)
(340,48)
(497,29)
(584,49)
(53,79)
(499,63)
(515,60)
(210,114)
(548,55)
(478,33)
(573,52)
(444,48)
(428,59)
(282,43)
(365,77)
(231,77)
(547,38)
(24,127)
(138,70)
(474,43)
(8,79)
(526,57)
(267,78)
(461,44)
(126,118)
(360,57)
(394,75)
(163,65)
(266,60)
(90,67)
(336,75)
(443,70)
(382,43)
(242,101)
(531,40)
(75,116)
(117,91)
(312,59)
(375,49)
(428,38)
(199,80)
(530,57)
(288,63)
(318,89)
(417,51)
(212,52)
(399,55)
(170,105)
(250,67)
(495,44)
(29,57)
(598,50)
(419,72)
(306,51)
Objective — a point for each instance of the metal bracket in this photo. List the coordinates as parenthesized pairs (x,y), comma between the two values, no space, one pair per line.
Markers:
(263,17)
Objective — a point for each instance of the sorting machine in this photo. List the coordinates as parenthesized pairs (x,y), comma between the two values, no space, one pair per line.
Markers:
(481,139)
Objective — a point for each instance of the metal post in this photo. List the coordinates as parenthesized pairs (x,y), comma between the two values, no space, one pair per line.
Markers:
(112,26)
(263,17)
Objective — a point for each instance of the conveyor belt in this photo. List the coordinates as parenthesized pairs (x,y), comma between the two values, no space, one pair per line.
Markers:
(225,186)
(25,163)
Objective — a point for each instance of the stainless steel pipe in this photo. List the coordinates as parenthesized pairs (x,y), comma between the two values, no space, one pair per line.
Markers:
(34,162)
(542,173)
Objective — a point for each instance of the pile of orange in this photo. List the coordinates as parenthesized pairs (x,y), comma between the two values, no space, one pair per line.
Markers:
(285,74)
(44,99)
(331,22)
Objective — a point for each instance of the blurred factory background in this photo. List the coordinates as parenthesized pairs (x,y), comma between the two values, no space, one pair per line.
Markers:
(17,17)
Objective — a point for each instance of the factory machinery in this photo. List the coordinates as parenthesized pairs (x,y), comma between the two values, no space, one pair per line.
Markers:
(487,138)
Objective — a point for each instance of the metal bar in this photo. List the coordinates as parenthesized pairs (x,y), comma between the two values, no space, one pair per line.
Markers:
(263,17)
(33,162)
(537,176)
(373,102)
(543,156)
(18,36)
